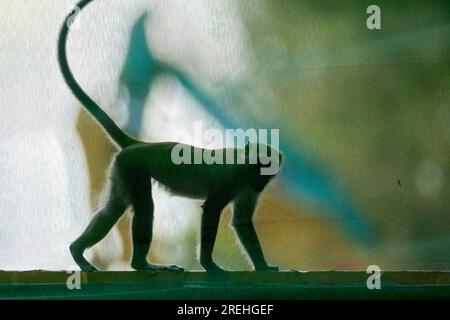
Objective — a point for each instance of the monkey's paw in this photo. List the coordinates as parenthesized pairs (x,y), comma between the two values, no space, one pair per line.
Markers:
(89,268)
(156,267)
(268,268)
(213,268)
(77,255)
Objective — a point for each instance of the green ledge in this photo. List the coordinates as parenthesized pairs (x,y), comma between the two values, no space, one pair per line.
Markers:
(233,285)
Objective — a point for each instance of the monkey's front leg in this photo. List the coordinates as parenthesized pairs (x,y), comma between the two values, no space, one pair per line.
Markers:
(248,237)
(242,222)
(210,222)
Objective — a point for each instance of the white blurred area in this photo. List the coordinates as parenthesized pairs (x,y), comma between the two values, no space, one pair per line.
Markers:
(44,182)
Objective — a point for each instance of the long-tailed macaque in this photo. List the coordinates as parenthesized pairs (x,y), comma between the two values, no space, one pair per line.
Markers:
(139,162)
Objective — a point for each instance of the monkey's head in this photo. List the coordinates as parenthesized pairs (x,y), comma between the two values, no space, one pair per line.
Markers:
(265,164)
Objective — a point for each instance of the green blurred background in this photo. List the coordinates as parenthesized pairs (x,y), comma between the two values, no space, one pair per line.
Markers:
(373,105)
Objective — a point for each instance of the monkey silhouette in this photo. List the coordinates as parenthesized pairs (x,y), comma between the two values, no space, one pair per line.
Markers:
(138,162)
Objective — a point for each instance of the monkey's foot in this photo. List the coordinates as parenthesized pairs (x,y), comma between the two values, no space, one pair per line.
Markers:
(213,268)
(87,267)
(268,268)
(80,260)
(155,267)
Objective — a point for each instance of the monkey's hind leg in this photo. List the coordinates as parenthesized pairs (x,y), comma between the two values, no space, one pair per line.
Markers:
(101,224)
(142,226)
(212,208)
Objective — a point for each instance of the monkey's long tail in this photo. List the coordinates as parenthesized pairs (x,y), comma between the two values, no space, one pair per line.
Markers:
(119,137)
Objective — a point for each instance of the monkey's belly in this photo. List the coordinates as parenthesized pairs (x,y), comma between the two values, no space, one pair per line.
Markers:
(188,189)
(195,181)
